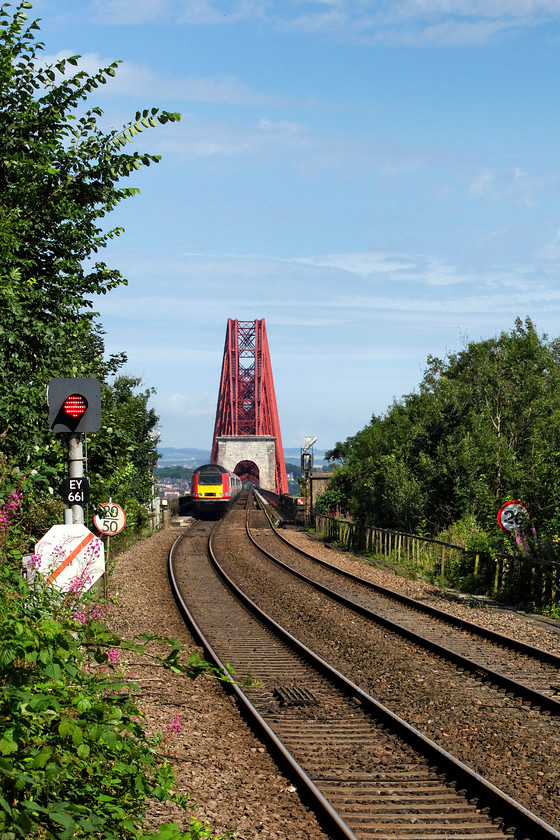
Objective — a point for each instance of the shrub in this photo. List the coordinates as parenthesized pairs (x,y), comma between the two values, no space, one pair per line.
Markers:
(75,758)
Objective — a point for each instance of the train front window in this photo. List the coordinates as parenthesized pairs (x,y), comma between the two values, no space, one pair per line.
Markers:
(212,478)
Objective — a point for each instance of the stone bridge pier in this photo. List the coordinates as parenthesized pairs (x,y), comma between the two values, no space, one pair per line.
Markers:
(260,449)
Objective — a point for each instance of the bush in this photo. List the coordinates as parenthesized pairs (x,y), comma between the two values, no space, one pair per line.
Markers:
(330,503)
(75,759)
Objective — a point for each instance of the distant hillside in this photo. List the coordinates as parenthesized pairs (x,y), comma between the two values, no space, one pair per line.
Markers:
(188,457)
(293,455)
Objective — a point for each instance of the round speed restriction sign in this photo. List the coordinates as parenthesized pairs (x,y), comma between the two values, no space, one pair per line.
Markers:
(110,520)
(511,516)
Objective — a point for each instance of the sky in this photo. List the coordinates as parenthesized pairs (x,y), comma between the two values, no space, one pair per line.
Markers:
(378,179)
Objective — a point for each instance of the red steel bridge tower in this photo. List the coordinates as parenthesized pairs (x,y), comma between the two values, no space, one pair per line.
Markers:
(246,399)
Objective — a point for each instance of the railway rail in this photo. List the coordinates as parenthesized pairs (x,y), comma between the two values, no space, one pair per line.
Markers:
(372,774)
(532,674)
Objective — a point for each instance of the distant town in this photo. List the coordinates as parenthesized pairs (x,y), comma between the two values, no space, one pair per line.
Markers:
(172,476)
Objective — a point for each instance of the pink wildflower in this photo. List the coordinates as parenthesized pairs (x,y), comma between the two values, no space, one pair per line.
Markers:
(79,583)
(521,542)
(174,726)
(111,692)
(34,562)
(10,509)
(113,655)
(97,612)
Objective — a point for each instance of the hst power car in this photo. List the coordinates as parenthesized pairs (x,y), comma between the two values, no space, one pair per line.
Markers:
(213,488)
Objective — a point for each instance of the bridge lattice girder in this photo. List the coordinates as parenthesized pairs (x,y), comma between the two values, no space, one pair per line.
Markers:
(246,399)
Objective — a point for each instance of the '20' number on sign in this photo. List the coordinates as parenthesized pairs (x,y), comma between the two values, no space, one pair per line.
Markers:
(511,516)
(110,511)
(111,519)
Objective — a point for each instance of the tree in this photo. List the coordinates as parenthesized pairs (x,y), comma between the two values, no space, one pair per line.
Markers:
(60,175)
(483,427)
(123,457)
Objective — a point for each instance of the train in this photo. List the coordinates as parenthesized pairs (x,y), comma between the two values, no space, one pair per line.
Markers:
(213,489)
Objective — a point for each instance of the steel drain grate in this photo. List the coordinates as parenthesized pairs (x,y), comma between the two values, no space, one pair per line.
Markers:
(295,695)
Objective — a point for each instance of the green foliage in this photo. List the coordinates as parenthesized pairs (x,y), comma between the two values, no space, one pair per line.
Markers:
(330,502)
(60,175)
(74,756)
(467,533)
(295,469)
(122,454)
(483,427)
(197,831)
(75,759)
(37,517)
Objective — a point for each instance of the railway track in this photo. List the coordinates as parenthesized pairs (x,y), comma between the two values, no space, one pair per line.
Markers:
(532,674)
(373,775)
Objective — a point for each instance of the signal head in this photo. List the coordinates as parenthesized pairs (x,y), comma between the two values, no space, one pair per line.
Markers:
(74,405)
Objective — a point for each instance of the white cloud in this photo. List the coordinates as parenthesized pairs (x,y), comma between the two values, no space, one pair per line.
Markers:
(504,302)
(392,267)
(412,22)
(282,127)
(511,185)
(202,12)
(187,404)
(397,282)
(481,182)
(127,12)
(451,33)
(402,306)
(308,150)
(480,8)
(208,12)
(132,79)
(551,251)
(222,90)
(363,264)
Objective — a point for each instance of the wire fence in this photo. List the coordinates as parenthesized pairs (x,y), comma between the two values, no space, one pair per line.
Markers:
(524,580)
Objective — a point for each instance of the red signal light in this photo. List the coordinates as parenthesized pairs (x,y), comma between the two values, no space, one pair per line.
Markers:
(75,405)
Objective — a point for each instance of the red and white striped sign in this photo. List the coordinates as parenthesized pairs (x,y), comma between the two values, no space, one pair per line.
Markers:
(70,556)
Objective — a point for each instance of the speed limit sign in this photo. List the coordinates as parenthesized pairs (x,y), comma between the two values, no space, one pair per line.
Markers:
(110,520)
(511,516)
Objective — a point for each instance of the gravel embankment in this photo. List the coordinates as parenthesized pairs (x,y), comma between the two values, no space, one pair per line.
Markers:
(515,747)
(534,630)
(227,770)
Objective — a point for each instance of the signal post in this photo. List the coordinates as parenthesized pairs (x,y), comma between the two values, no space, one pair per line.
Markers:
(70,551)
(75,407)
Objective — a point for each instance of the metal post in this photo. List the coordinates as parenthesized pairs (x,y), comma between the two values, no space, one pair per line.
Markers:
(75,470)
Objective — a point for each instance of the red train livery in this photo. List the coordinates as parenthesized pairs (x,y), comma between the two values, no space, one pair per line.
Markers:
(214,488)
